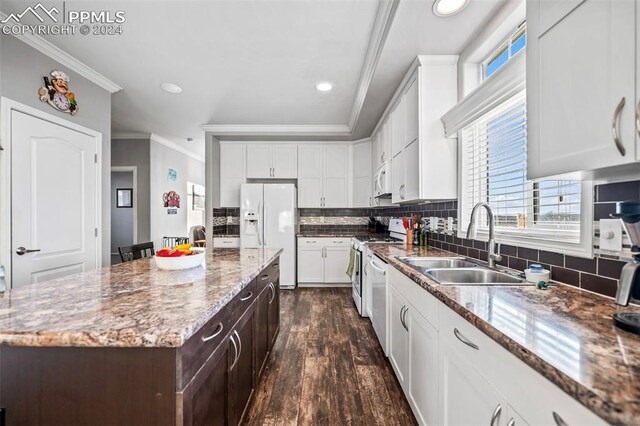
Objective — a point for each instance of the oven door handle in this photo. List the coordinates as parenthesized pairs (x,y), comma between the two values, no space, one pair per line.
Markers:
(377,269)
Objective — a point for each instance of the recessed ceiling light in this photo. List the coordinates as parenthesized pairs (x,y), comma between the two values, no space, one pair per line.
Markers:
(171,88)
(324,86)
(449,7)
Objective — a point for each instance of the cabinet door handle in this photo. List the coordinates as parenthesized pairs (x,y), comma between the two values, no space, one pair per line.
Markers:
(404,318)
(403,312)
(512,422)
(219,329)
(464,339)
(273,292)
(247,297)
(495,415)
(614,127)
(559,420)
(235,349)
(638,118)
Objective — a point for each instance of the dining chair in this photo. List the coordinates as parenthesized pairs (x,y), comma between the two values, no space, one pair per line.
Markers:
(136,251)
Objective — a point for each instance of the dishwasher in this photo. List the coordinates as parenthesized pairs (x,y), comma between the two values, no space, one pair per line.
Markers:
(377,273)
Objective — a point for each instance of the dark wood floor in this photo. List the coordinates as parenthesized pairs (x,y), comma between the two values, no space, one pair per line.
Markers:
(327,368)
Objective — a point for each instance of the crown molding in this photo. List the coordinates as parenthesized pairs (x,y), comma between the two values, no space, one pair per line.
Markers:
(176,147)
(59,55)
(278,130)
(130,135)
(384,19)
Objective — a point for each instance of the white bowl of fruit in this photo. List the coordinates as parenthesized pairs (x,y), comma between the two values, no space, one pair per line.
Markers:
(183,256)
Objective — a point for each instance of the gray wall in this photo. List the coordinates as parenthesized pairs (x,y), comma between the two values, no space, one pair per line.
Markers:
(21,71)
(189,170)
(121,218)
(135,152)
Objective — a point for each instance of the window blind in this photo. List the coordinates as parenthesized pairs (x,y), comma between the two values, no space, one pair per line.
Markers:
(495,172)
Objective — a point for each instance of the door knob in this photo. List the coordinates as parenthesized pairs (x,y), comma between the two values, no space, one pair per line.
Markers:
(22,251)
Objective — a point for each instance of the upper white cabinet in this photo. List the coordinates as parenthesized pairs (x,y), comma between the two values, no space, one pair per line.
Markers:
(581,82)
(362,174)
(272,161)
(233,173)
(424,162)
(323,175)
(382,144)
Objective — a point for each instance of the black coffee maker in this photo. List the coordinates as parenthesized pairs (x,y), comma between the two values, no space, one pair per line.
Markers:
(629,286)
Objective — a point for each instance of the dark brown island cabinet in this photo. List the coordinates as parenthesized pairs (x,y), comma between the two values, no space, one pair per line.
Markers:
(210,380)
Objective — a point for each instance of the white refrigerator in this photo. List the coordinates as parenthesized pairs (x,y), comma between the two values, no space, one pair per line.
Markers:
(268,219)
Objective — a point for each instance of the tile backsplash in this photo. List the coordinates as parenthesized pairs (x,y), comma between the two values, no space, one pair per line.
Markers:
(600,274)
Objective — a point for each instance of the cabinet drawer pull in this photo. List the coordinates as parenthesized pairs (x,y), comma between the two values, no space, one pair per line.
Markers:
(275,265)
(337,242)
(559,420)
(219,329)
(273,292)
(512,422)
(311,242)
(496,415)
(464,339)
(247,297)
(614,127)
(264,277)
(235,348)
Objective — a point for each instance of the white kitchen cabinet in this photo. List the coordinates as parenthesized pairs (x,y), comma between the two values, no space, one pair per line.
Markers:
(336,175)
(226,242)
(323,175)
(336,261)
(465,396)
(382,144)
(422,391)
(397,177)
(398,345)
(411,118)
(323,261)
(580,71)
(362,196)
(272,161)
(232,173)
(411,170)
(310,264)
(310,183)
(259,161)
(284,160)
(376,149)
(398,127)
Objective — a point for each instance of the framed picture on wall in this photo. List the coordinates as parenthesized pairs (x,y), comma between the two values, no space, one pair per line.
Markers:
(124,198)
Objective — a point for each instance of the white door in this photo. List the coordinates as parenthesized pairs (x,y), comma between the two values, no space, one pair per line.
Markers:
(310,176)
(465,397)
(336,262)
(54,201)
(336,171)
(580,68)
(423,368)
(398,336)
(284,160)
(259,161)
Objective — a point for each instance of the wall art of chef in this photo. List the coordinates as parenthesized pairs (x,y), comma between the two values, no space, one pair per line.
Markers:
(56,93)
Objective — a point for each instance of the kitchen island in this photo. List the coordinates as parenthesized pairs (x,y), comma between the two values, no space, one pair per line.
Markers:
(132,344)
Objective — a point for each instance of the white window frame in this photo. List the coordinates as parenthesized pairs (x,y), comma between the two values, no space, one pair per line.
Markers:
(508,41)
(479,100)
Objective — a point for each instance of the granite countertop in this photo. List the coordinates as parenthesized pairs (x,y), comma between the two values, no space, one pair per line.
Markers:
(602,369)
(320,234)
(132,304)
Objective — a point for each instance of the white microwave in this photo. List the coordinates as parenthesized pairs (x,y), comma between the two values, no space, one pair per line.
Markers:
(382,180)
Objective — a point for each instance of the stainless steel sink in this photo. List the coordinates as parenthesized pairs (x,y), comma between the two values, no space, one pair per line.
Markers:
(438,262)
(474,276)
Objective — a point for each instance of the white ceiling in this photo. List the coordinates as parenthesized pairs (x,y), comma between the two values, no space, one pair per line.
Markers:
(256,61)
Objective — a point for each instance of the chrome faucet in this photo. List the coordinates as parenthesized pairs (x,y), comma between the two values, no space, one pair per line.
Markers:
(492,246)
